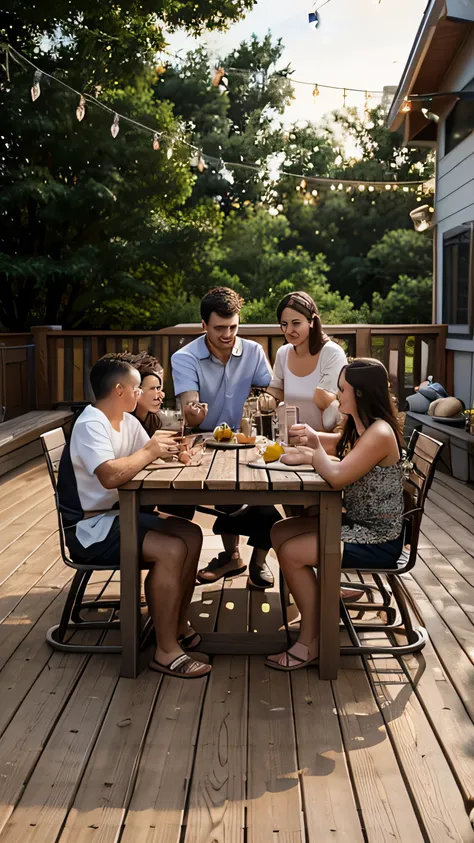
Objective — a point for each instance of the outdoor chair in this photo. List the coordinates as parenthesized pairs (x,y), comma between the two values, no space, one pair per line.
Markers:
(422,455)
(72,617)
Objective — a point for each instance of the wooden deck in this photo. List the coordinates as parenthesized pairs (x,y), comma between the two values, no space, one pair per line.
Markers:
(385,753)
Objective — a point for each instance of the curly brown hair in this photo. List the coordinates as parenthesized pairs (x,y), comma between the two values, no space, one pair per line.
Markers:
(221,300)
(145,365)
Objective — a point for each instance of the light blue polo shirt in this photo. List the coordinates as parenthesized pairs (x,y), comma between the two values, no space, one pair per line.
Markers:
(224,388)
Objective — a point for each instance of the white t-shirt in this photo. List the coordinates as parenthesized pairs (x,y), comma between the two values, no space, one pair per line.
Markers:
(94,441)
(299,391)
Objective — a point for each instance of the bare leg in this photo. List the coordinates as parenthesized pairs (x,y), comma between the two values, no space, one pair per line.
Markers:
(231,545)
(163,589)
(298,556)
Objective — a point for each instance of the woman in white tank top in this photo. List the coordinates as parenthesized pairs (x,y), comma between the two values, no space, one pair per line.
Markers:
(307,368)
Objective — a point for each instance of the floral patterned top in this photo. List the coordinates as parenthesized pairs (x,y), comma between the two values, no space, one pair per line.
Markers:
(374,506)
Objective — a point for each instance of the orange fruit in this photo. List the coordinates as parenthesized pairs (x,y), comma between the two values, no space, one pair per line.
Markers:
(273,452)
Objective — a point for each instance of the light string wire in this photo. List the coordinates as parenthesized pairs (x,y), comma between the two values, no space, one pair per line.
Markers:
(212,160)
(280,75)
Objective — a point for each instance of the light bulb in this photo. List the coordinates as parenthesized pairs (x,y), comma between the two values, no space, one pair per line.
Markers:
(81,108)
(156,142)
(115,128)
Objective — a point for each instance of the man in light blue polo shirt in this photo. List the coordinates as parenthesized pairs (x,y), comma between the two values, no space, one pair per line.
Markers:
(213,376)
(218,368)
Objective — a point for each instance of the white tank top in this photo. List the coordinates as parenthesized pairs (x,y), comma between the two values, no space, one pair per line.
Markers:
(299,391)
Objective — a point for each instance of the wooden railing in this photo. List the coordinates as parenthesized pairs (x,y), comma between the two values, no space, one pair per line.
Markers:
(17,390)
(63,359)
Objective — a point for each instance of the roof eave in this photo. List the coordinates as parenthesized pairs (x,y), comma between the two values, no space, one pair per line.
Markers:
(422,41)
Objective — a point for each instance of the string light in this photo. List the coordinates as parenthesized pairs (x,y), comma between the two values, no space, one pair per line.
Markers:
(406,107)
(88,99)
(316,91)
(81,108)
(115,127)
(344,97)
(36,87)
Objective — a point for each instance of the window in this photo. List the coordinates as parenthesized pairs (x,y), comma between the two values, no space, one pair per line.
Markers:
(460,121)
(456,276)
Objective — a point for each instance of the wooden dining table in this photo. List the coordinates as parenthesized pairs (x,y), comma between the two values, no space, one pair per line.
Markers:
(225,477)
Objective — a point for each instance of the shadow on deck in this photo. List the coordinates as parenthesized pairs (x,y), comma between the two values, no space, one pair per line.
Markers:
(385,753)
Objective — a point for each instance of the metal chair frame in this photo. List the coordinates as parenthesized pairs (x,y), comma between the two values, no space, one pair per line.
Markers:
(71,619)
(423,453)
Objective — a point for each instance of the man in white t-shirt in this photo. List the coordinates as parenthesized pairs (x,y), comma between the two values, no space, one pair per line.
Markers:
(108,447)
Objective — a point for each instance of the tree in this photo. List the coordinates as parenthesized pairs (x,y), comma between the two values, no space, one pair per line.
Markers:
(408,301)
(83,212)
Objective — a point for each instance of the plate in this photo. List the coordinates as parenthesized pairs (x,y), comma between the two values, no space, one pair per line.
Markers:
(227,446)
(279,466)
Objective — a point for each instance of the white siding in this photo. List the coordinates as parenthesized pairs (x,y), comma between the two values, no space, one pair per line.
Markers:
(454,171)
(463,375)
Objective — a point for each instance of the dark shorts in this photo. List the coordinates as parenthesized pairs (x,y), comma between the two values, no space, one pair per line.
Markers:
(255,522)
(373,556)
(107,552)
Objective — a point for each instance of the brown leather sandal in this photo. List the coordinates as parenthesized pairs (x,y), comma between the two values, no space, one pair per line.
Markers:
(183,667)
(221,566)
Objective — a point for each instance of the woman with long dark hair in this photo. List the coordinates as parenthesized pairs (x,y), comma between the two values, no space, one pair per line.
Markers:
(371,473)
(307,367)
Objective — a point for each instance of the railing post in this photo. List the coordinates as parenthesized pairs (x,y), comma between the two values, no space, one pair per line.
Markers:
(43,389)
(363,342)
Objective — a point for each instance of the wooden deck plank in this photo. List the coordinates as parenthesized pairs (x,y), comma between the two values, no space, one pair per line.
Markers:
(462,489)
(20,477)
(24,651)
(451,495)
(104,794)
(264,606)
(25,521)
(434,535)
(427,773)
(446,606)
(460,590)
(234,607)
(452,508)
(454,660)
(28,575)
(216,809)
(156,809)
(23,741)
(459,533)
(330,809)
(274,809)
(448,717)
(387,810)
(24,496)
(43,807)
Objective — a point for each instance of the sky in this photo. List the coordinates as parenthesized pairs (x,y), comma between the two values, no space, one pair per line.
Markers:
(358,44)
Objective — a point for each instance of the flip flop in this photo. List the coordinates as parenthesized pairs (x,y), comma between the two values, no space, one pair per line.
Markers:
(219,569)
(287,668)
(183,667)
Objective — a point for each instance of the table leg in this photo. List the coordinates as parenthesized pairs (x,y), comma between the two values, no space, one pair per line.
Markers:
(129,584)
(329,582)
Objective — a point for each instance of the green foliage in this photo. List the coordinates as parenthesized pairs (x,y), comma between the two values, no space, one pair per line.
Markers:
(409,301)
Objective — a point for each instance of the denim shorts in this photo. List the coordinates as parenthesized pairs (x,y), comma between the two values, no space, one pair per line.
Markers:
(373,556)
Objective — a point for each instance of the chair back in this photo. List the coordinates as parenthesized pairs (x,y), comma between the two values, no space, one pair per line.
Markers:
(422,454)
(53,443)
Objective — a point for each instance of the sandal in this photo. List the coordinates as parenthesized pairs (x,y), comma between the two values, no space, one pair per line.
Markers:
(221,566)
(287,667)
(184,667)
(190,642)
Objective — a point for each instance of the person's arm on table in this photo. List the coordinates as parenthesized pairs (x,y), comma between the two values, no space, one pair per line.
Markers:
(114,473)
(372,448)
(193,409)
(303,434)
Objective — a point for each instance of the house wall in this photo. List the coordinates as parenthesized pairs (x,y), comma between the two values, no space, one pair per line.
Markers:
(454,207)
